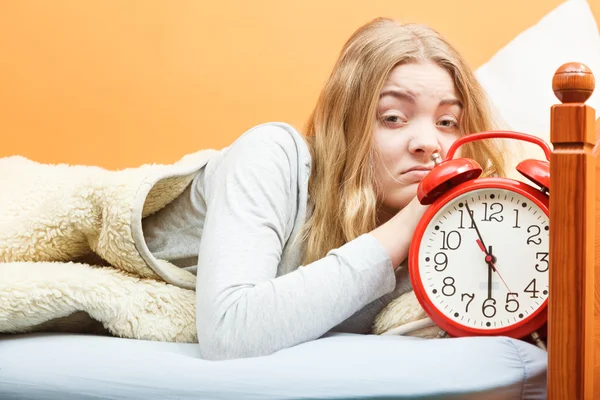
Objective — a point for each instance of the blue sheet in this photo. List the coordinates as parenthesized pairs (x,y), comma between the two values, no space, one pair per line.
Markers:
(338,366)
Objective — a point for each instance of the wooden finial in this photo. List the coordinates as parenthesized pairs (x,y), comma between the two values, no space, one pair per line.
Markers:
(573,83)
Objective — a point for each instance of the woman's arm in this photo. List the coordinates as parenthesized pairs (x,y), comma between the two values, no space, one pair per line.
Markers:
(243,310)
(362,321)
(395,235)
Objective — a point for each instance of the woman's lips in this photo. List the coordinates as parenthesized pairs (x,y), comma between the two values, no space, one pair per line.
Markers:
(415,175)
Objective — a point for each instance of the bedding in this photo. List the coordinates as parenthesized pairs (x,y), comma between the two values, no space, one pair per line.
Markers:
(338,366)
(70,245)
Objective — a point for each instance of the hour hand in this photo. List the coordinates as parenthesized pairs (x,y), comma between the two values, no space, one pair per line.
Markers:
(490,272)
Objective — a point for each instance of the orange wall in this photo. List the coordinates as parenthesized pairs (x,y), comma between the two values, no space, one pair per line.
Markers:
(120,83)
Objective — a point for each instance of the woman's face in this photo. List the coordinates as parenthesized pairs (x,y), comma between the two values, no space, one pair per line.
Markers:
(418,114)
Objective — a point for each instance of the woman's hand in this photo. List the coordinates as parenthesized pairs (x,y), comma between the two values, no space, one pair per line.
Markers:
(396,234)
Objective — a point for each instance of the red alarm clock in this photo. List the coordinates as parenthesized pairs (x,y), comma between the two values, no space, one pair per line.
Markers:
(478,259)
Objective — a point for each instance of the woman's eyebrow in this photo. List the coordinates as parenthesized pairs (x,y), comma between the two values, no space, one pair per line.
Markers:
(411,97)
(451,102)
(399,94)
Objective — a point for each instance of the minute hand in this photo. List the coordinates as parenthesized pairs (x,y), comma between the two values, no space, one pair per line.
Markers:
(475,225)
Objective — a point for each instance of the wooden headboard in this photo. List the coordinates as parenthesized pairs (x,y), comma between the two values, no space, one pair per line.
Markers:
(574,300)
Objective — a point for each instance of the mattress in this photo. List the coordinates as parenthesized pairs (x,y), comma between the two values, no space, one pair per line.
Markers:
(337,366)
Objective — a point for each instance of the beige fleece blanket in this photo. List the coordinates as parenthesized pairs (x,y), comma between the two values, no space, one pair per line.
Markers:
(73,258)
(71,248)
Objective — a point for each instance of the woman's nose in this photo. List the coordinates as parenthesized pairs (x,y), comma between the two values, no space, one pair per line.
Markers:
(424,142)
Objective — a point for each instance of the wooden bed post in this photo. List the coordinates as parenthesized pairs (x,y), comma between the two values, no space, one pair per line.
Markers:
(571,354)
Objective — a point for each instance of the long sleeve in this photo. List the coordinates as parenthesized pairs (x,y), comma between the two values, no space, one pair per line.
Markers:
(243,308)
(362,321)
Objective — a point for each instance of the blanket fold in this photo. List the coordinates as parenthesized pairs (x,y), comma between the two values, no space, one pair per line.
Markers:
(71,241)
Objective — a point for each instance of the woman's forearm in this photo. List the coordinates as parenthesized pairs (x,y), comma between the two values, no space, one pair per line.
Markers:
(396,234)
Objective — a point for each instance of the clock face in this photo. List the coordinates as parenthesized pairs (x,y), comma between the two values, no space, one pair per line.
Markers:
(483,259)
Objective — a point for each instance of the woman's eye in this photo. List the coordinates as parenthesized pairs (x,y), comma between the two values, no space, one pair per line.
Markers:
(392,120)
(448,123)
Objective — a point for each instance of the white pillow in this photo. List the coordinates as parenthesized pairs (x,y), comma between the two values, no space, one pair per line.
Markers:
(518,79)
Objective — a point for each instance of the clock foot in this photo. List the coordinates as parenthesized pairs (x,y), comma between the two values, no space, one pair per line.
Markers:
(538,341)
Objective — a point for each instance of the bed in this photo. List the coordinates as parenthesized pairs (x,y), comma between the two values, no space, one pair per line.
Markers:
(574,301)
(54,366)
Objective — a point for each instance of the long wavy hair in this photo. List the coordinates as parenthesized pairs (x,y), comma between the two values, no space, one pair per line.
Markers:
(339,132)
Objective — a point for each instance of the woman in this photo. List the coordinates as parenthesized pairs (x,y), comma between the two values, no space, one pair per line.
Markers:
(302,236)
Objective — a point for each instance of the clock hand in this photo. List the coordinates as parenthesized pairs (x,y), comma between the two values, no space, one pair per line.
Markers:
(489,280)
(480,240)
(490,259)
(475,225)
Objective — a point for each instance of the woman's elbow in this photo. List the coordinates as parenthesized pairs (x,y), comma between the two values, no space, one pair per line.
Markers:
(221,348)
(215,349)
(220,341)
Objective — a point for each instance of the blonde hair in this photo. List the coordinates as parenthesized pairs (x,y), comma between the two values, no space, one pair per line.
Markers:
(339,131)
